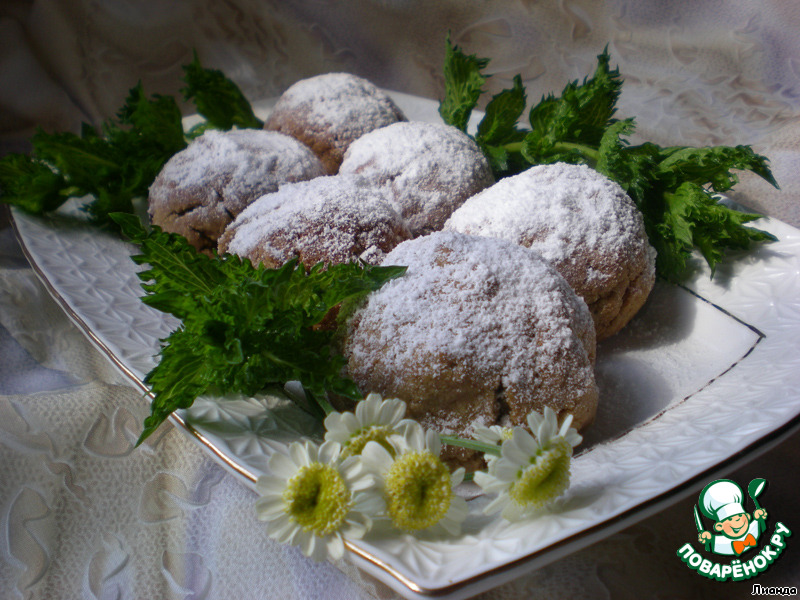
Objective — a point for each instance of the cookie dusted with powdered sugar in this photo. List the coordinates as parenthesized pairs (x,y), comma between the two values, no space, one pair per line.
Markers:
(328,112)
(202,188)
(478,331)
(582,222)
(429,169)
(330,219)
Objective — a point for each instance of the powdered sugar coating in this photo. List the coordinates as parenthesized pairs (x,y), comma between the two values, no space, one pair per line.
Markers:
(478,331)
(428,168)
(203,187)
(328,112)
(582,222)
(331,219)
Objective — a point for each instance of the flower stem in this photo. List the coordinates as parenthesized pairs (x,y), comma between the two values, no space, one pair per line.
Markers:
(326,406)
(452,440)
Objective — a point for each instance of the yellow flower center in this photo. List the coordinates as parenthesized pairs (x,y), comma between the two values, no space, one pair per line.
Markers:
(546,478)
(374,433)
(418,490)
(317,498)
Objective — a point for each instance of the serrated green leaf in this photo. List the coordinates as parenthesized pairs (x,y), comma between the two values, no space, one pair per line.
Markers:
(30,184)
(244,328)
(218,98)
(583,111)
(463,84)
(711,166)
(693,218)
(499,124)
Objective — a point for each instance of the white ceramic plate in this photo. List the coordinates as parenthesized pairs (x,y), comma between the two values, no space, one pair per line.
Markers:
(704,378)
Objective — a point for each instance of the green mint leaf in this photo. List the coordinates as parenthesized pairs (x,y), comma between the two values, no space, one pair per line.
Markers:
(218,98)
(711,166)
(693,218)
(463,84)
(30,184)
(499,124)
(633,167)
(153,125)
(244,328)
(583,111)
(113,166)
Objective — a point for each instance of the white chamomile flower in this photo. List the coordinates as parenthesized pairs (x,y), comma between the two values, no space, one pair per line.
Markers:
(531,471)
(493,435)
(545,428)
(417,485)
(313,499)
(374,420)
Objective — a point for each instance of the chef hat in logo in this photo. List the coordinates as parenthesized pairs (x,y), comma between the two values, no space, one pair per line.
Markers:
(722,499)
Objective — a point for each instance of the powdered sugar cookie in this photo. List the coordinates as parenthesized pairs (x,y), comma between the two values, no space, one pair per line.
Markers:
(583,223)
(479,331)
(330,219)
(328,112)
(429,169)
(202,188)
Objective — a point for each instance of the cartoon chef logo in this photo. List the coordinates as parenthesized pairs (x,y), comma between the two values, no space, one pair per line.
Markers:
(735,531)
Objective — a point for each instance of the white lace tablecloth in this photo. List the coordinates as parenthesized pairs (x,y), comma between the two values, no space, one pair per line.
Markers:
(85,515)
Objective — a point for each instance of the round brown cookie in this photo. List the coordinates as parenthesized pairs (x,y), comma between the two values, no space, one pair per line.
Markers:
(429,169)
(479,331)
(328,112)
(583,223)
(202,188)
(331,219)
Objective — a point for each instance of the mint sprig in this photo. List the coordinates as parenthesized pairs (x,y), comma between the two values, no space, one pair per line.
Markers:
(117,162)
(673,187)
(243,329)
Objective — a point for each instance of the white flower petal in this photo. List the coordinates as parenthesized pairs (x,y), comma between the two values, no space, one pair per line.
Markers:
(489,483)
(334,547)
(367,410)
(414,438)
(350,423)
(333,422)
(497,505)
(573,438)
(369,503)
(535,421)
(267,484)
(433,442)
(328,452)
(282,466)
(403,426)
(549,427)
(459,509)
(357,525)
(376,459)
(513,511)
(565,426)
(282,528)
(457,476)
(526,443)
(511,451)
(450,526)
(299,453)
(269,506)
(391,411)
(307,542)
(505,469)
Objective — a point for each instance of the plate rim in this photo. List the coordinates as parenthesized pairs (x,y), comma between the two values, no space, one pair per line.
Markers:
(545,555)
(541,556)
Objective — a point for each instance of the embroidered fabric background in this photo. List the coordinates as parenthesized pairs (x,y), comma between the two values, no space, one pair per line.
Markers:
(84,515)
